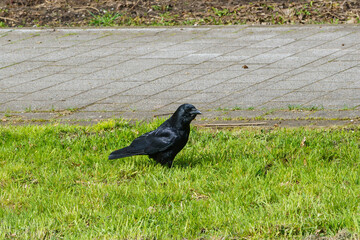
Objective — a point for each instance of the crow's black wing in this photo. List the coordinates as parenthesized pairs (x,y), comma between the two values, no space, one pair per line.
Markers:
(153,142)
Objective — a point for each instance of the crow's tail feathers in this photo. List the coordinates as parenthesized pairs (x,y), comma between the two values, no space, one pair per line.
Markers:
(121,153)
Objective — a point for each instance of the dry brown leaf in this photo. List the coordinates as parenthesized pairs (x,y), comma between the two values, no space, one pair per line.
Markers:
(303,142)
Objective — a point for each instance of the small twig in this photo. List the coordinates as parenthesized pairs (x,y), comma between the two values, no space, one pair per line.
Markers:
(332,14)
(231,124)
(85,8)
(9,19)
(342,5)
(135,5)
(162,114)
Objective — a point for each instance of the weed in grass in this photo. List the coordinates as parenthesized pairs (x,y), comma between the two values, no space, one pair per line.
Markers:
(303,11)
(271,111)
(156,7)
(221,12)
(3,24)
(304,108)
(222,109)
(236,108)
(104,20)
(72,109)
(166,19)
(259,118)
(28,109)
(229,109)
(334,21)
(192,22)
(161,8)
(56,182)
(346,107)
(7,113)
(269,7)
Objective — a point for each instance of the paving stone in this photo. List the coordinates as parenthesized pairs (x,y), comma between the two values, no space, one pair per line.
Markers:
(335,114)
(316,52)
(301,96)
(344,93)
(12,82)
(148,89)
(6,97)
(335,67)
(268,93)
(290,85)
(249,78)
(355,69)
(29,87)
(195,58)
(350,57)
(142,105)
(203,97)
(70,104)
(76,84)
(35,115)
(105,107)
(45,95)
(197,84)
(225,87)
(121,98)
(73,60)
(185,46)
(274,42)
(23,106)
(243,103)
(171,94)
(256,37)
(167,54)
(325,86)
(221,74)
(120,86)
(175,79)
(267,58)
(244,67)
(227,58)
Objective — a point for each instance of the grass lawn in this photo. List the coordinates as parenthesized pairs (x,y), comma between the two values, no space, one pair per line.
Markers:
(56,182)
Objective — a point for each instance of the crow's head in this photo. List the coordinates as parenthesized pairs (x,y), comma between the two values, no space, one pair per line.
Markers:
(186,113)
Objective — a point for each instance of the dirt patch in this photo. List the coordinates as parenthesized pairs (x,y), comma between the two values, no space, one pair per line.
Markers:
(53,118)
(62,13)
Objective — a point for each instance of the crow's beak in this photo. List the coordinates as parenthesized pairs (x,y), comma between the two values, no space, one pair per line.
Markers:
(195,112)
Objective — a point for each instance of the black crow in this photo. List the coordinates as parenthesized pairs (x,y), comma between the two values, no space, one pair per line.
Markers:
(166,141)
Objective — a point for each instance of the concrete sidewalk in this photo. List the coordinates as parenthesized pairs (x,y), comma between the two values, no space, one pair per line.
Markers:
(236,71)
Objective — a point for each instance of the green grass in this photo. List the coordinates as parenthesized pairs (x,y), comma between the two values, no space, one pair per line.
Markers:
(56,182)
(2,24)
(107,19)
(304,108)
